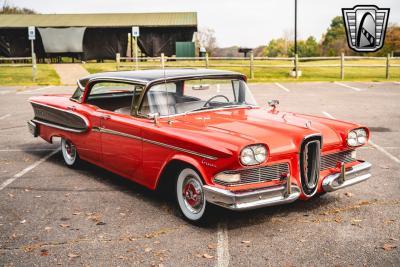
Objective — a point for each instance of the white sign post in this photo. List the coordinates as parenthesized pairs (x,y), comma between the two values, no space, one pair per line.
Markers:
(32,37)
(135,35)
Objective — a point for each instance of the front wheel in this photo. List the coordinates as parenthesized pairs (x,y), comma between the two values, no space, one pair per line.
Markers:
(190,195)
(69,153)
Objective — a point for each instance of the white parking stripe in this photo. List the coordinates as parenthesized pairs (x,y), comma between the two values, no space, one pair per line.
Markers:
(5,116)
(35,90)
(348,86)
(328,115)
(381,149)
(222,246)
(282,87)
(4,92)
(27,169)
(397,82)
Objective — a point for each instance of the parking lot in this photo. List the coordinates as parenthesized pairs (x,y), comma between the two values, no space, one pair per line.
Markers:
(53,215)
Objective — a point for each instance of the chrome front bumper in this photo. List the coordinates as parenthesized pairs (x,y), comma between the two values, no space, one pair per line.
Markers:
(354,175)
(247,200)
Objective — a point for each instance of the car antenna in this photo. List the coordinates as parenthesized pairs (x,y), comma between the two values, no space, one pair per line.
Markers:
(165,80)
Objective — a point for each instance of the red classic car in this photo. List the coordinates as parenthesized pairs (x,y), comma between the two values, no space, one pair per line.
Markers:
(201,135)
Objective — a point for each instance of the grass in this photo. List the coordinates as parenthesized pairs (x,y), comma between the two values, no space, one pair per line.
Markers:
(45,75)
(265,74)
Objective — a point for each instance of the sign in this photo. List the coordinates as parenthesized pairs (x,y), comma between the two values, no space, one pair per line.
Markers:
(135,31)
(31,33)
(365,27)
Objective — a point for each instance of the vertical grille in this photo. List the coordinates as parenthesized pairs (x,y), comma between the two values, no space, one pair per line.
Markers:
(310,164)
(258,175)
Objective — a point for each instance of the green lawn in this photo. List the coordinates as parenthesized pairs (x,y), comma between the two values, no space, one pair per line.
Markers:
(265,74)
(45,75)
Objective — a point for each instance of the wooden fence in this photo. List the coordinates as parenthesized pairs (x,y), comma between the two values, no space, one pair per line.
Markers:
(20,62)
(251,62)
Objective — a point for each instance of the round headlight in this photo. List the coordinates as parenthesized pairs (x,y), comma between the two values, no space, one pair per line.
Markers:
(254,154)
(357,137)
(352,138)
(361,136)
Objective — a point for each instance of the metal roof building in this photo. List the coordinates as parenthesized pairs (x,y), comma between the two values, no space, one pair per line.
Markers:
(95,36)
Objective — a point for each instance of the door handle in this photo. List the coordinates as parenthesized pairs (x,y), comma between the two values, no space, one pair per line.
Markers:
(73,108)
(105,117)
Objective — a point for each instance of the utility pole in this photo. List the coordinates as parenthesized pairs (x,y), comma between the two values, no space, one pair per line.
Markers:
(295,41)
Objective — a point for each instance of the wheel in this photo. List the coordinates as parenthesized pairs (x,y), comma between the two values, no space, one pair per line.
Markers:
(69,153)
(190,195)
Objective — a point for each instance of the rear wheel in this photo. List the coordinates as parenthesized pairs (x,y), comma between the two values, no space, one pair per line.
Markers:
(190,195)
(69,153)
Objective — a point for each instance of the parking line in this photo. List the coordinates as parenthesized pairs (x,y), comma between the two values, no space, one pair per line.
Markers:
(5,116)
(282,87)
(27,169)
(222,246)
(348,86)
(384,151)
(397,82)
(328,115)
(381,149)
(4,92)
(35,90)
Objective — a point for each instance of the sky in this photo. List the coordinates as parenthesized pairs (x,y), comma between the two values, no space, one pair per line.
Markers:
(247,23)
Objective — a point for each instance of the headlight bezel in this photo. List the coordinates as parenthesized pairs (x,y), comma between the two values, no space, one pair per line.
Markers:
(257,150)
(359,137)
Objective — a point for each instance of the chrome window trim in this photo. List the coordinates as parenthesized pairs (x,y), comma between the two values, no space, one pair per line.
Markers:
(108,131)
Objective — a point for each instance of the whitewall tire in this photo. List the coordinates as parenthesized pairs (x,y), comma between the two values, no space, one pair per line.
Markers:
(190,195)
(69,153)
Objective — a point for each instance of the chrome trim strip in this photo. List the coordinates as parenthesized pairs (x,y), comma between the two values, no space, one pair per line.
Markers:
(58,126)
(108,131)
(248,200)
(355,175)
(63,110)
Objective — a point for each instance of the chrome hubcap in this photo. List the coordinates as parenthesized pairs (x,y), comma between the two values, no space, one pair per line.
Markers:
(193,196)
(70,150)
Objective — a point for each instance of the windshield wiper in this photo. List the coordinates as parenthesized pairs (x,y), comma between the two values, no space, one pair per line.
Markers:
(199,109)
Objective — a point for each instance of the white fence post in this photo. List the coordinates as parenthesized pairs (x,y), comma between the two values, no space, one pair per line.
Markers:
(162,61)
(342,66)
(118,60)
(387,66)
(206,59)
(251,65)
(34,67)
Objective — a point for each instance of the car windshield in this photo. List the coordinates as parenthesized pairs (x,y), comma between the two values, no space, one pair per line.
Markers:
(188,96)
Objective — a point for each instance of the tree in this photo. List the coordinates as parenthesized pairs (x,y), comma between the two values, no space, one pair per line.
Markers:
(392,41)
(7,8)
(334,41)
(206,38)
(276,48)
(307,48)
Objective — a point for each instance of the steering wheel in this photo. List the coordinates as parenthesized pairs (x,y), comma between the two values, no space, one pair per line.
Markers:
(209,100)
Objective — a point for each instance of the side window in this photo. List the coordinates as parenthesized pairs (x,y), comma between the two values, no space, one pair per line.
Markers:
(160,98)
(78,94)
(114,96)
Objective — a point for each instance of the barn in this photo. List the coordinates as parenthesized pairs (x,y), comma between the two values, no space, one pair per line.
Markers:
(95,36)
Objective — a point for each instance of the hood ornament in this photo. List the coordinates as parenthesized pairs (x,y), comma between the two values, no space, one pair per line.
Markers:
(308,124)
(273,103)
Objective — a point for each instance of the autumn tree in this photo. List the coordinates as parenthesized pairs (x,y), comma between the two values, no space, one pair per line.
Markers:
(7,8)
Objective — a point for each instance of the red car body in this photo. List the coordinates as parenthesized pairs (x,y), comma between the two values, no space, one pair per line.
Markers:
(210,141)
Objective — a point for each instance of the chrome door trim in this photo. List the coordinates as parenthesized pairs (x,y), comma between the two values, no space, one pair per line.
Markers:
(108,131)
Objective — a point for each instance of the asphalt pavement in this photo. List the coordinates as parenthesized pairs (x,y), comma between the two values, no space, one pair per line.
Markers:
(52,215)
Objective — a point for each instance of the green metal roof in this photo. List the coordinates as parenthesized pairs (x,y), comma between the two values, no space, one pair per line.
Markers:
(100,20)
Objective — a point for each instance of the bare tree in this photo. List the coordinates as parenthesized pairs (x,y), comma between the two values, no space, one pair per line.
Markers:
(205,37)
(8,8)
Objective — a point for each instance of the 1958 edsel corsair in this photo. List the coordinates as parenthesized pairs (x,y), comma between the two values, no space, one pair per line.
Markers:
(201,131)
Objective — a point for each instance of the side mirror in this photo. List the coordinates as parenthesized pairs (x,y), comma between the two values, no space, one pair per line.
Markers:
(273,103)
(155,117)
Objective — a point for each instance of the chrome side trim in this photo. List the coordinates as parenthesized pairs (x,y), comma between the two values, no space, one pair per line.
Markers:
(49,124)
(253,199)
(355,175)
(108,131)
(63,110)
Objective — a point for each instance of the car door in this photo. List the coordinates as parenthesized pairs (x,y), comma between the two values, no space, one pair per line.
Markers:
(121,142)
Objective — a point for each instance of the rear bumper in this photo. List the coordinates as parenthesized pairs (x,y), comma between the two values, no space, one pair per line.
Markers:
(247,200)
(354,175)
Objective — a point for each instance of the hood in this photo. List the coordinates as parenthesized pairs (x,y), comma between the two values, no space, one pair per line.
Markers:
(282,132)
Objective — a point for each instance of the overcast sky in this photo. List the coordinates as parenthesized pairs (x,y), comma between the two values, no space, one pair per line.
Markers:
(244,23)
